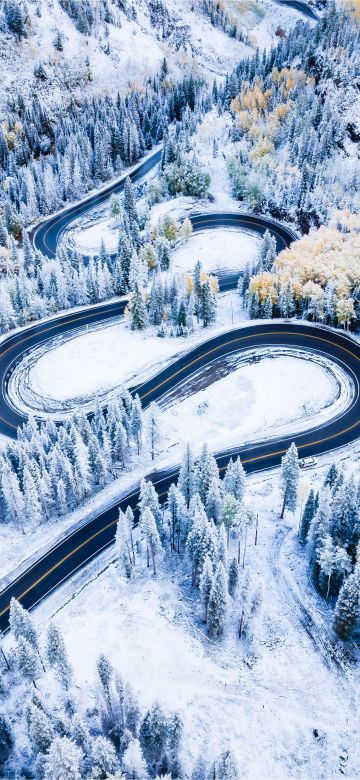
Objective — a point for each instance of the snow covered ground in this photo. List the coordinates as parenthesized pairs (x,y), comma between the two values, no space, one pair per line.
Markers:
(254,396)
(241,398)
(218,250)
(275,699)
(121,54)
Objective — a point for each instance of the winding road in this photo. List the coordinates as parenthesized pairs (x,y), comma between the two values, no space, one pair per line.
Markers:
(66,557)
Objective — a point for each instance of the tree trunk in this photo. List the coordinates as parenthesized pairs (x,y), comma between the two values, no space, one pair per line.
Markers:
(283,506)
(132,547)
(147,556)
(243,565)
(41,661)
(241,624)
(328,587)
(129,553)
(153,558)
(5,659)
(256,529)
(239,551)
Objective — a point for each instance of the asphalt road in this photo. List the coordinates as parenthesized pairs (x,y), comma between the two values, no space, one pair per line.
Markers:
(66,557)
(82,545)
(303,8)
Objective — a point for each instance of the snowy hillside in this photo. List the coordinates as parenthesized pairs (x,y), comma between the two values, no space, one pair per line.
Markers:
(60,52)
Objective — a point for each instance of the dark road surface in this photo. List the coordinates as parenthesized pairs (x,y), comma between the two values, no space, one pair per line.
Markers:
(82,545)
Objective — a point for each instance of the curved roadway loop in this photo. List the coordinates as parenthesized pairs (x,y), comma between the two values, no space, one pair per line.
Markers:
(78,547)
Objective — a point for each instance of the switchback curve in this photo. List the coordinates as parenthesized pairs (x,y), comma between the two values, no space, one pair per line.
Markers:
(80,546)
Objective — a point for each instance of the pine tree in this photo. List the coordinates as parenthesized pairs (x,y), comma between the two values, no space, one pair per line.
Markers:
(104,756)
(214,501)
(153,429)
(153,736)
(136,422)
(133,762)
(123,544)
(186,475)
(290,474)
(307,516)
(129,202)
(6,740)
(205,470)
(319,528)
(331,476)
(345,515)
(63,760)
(115,207)
(41,731)
(207,304)
(225,767)
(105,672)
(3,234)
(149,498)
(177,514)
(21,624)
(27,659)
(175,732)
(57,655)
(218,602)
(201,542)
(347,609)
(229,513)
(222,545)
(13,497)
(138,312)
(234,481)
(149,529)
(233,577)
(206,581)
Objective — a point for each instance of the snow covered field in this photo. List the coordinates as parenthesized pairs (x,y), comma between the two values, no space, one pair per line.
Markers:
(276,689)
(218,250)
(264,393)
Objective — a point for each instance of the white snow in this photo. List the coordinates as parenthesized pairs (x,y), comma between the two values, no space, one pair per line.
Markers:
(89,239)
(273,389)
(262,698)
(94,362)
(218,250)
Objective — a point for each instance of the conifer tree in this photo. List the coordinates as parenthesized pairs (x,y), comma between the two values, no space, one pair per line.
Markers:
(347,609)
(229,513)
(186,475)
(21,624)
(290,474)
(233,577)
(307,516)
(153,736)
(201,542)
(218,602)
(207,304)
(123,544)
(136,422)
(214,501)
(6,740)
(41,731)
(225,767)
(138,311)
(104,757)
(63,760)
(57,655)
(149,529)
(205,584)
(153,429)
(27,660)
(133,762)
